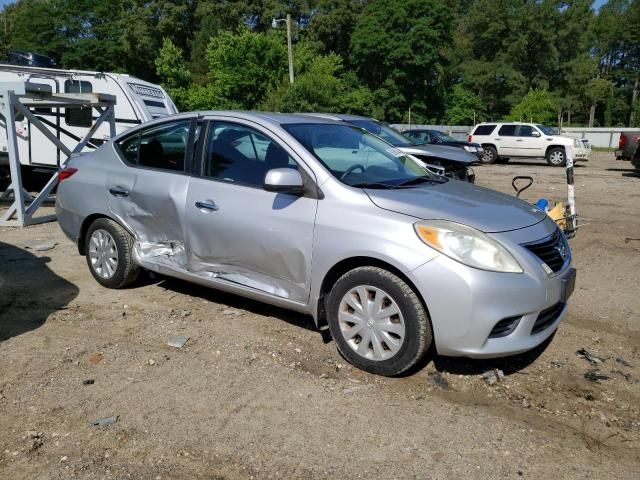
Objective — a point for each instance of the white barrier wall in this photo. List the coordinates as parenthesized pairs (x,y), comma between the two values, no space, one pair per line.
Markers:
(606,137)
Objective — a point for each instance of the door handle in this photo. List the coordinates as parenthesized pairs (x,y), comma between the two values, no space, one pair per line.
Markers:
(497,139)
(518,140)
(118,192)
(207,206)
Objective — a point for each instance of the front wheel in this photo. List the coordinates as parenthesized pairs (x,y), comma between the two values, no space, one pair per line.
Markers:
(377,321)
(556,157)
(109,249)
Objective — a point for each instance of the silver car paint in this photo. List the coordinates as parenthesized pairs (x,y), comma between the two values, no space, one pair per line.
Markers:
(279,248)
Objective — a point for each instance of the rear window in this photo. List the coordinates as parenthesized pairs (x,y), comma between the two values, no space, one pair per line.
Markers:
(507,130)
(484,129)
(78,117)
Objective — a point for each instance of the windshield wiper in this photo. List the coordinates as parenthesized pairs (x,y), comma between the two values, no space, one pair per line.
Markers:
(372,185)
(417,180)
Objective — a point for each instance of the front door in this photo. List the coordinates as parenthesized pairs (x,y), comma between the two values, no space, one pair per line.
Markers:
(530,142)
(237,231)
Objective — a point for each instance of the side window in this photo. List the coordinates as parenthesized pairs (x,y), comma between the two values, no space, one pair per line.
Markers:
(78,117)
(484,129)
(164,146)
(240,154)
(161,146)
(129,147)
(507,130)
(525,131)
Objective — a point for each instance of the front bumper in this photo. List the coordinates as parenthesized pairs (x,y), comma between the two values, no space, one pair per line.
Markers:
(465,304)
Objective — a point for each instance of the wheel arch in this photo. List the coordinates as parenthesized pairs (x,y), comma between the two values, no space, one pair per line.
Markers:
(346,265)
(84,228)
(551,147)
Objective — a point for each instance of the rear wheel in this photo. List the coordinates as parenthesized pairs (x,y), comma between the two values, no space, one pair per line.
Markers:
(490,154)
(109,249)
(556,157)
(377,321)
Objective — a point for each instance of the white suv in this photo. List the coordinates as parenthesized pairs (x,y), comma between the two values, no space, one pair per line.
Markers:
(502,141)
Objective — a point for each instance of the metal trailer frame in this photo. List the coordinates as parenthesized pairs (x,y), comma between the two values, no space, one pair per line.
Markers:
(17,97)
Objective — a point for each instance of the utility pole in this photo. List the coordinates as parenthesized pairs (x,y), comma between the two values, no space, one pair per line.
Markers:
(290,48)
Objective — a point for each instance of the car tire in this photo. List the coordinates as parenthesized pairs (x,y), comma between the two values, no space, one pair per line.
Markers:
(556,157)
(109,253)
(490,155)
(394,343)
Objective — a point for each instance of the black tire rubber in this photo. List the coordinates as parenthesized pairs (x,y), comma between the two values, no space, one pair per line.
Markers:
(418,334)
(556,149)
(126,272)
(490,155)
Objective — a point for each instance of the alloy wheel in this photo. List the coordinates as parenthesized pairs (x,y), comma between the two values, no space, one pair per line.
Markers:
(103,253)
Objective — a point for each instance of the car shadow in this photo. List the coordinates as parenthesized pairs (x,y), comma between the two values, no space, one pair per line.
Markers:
(626,172)
(236,301)
(29,291)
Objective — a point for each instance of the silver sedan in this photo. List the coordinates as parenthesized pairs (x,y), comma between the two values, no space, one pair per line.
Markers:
(323,218)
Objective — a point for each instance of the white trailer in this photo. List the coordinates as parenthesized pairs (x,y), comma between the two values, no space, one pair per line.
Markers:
(137,101)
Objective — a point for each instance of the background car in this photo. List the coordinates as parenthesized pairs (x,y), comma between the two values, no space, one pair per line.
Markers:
(401,258)
(627,145)
(443,160)
(436,137)
(502,141)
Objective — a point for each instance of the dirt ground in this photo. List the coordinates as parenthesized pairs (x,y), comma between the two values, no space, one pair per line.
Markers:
(257,393)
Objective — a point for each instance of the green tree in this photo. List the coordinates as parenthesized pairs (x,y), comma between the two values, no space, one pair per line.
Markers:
(174,75)
(398,50)
(243,66)
(463,107)
(536,106)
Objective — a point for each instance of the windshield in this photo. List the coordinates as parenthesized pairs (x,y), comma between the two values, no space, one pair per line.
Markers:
(387,134)
(357,158)
(546,130)
(442,136)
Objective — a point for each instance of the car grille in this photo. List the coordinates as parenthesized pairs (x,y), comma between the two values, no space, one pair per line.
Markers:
(505,327)
(547,317)
(585,143)
(552,250)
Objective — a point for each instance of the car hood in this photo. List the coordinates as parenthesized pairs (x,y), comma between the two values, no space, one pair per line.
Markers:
(461,202)
(441,151)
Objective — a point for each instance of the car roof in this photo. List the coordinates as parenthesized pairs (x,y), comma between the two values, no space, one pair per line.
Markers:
(342,117)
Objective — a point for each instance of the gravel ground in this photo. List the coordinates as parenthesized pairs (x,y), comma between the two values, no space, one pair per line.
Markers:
(256,392)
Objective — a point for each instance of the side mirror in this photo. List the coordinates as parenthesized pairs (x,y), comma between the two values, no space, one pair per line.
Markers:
(284,180)
(535,133)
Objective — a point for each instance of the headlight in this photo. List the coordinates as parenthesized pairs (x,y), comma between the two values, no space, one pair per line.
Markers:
(469,148)
(467,245)
(576,143)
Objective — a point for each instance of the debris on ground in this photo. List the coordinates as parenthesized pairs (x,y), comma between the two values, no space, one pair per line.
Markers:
(622,361)
(35,440)
(232,311)
(594,376)
(492,376)
(104,422)
(437,380)
(185,313)
(178,342)
(96,358)
(88,381)
(589,357)
(40,245)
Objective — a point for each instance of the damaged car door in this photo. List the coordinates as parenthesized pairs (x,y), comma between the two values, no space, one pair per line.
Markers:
(239,232)
(150,196)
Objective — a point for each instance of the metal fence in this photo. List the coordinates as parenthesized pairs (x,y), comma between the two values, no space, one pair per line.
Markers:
(606,137)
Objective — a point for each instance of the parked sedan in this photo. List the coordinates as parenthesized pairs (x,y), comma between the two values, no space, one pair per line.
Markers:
(442,160)
(323,218)
(436,137)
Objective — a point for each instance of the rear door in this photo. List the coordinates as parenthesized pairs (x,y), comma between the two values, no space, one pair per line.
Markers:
(149,194)
(506,140)
(237,231)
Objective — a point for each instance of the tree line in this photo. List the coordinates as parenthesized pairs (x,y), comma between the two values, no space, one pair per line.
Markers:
(438,61)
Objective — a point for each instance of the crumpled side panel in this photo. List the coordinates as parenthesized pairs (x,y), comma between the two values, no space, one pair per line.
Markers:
(171,254)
